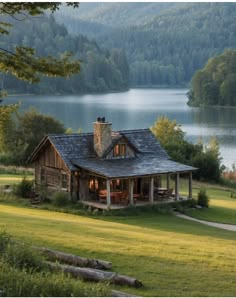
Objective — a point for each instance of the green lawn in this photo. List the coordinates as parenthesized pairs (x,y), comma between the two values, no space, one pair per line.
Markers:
(11,179)
(222,206)
(171,256)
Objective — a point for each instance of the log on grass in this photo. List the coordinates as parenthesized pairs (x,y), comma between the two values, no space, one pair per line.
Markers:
(96,275)
(75,260)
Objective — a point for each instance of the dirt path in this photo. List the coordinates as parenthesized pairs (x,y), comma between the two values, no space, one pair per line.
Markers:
(209,223)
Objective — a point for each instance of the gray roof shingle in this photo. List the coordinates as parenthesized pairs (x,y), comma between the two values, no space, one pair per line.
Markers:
(77,150)
(143,165)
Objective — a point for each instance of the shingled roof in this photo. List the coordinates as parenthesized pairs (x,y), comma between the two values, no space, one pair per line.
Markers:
(77,150)
(142,165)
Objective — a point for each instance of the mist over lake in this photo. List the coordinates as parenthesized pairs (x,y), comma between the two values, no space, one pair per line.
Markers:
(139,108)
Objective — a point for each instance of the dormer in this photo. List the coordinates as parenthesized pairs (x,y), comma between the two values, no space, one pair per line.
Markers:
(120,148)
(109,144)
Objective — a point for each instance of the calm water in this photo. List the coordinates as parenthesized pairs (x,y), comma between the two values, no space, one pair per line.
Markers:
(139,108)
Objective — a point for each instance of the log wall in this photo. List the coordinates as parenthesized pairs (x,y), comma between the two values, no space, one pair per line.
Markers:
(51,171)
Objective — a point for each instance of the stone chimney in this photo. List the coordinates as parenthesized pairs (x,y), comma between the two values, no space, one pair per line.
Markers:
(102,135)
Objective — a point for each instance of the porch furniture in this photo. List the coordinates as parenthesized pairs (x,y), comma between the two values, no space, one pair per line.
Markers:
(102,196)
(136,196)
(124,198)
(164,193)
(116,197)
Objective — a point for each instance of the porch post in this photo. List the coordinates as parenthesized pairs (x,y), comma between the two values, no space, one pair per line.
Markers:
(131,191)
(168,181)
(108,194)
(151,190)
(190,186)
(177,187)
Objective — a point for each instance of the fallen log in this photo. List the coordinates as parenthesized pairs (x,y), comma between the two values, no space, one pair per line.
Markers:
(96,275)
(74,260)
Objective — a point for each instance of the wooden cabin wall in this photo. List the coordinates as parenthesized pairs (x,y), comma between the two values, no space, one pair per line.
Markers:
(51,171)
(84,187)
(74,188)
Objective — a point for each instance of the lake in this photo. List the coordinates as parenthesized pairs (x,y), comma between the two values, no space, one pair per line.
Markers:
(139,108)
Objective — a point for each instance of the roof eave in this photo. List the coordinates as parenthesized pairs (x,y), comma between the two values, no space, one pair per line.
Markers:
(31,158)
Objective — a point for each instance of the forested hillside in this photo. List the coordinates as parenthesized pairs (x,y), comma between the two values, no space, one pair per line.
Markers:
(165,43)
(101,70)
(110,15)
(215,84)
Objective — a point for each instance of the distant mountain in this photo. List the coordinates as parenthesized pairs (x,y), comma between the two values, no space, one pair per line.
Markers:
(165,42)
(116,14)
(102,70)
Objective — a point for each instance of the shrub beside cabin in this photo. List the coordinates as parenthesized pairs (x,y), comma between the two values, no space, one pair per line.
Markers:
(109,167)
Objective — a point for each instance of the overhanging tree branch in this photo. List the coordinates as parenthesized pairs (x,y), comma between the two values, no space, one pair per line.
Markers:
(23,63)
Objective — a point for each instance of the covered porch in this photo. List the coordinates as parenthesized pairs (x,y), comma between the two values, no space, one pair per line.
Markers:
(126,182)
(119,193)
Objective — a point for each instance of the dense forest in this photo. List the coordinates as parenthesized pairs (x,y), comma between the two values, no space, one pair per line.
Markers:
(126,44)
(215,84)
(101,70)
(165,43)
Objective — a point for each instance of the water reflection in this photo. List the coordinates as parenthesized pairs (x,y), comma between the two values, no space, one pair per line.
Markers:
(139,108)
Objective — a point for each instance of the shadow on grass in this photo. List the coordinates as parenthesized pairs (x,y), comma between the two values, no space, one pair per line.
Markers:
(149,218)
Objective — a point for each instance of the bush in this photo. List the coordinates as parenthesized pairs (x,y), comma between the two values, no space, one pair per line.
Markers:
(202,198)
(23,274)
(208,167)
(23,257)
(44,195)
(24,188)
(20,283)
(140,210)
(181,206)
(5,239)
(61,198)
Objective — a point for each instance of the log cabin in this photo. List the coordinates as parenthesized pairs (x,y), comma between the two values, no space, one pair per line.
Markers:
(108,167)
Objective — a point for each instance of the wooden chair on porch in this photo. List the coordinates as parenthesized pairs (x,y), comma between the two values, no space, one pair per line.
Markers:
(166,194)
(102,196)
(124,197)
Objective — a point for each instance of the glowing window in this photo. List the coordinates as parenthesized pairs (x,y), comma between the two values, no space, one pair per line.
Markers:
(119,150)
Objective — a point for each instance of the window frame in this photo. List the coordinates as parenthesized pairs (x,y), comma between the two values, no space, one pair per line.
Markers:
(119,150)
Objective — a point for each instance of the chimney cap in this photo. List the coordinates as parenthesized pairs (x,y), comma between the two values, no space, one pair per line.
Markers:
(101,119)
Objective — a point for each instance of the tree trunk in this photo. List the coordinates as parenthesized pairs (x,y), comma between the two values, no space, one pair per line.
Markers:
(75,260)
(96,275)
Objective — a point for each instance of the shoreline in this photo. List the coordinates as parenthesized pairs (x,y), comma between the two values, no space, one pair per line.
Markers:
(211,106)
(64,94)
(95,93)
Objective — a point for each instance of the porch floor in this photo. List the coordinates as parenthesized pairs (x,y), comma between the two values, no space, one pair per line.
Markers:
(103,206)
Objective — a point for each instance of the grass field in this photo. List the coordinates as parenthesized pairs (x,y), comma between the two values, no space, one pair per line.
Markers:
(11,179)
(171,256)
(222,205)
